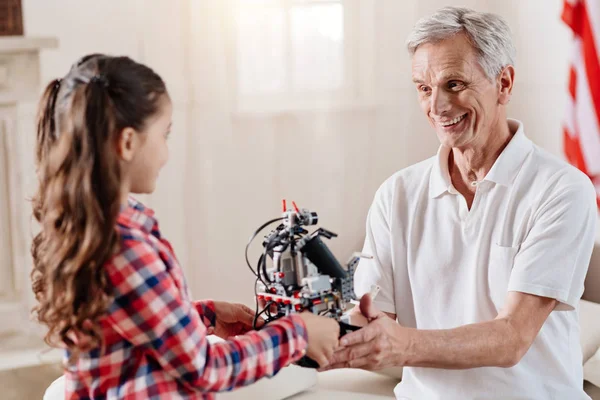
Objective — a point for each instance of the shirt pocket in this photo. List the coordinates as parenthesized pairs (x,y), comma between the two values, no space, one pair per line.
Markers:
(500,267)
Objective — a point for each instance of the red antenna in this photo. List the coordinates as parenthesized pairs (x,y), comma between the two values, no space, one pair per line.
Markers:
(295,207)
(284,206)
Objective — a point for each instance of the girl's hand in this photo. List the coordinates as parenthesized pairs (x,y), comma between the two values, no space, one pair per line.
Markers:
(232,319)
(323,335)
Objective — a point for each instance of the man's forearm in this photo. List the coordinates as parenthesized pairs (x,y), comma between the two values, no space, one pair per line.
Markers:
(501,342)
(487,344)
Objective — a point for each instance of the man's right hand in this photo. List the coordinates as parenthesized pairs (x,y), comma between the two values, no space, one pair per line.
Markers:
(357,314)
(323,337)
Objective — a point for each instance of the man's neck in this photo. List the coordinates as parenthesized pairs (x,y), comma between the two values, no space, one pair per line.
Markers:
(472,163)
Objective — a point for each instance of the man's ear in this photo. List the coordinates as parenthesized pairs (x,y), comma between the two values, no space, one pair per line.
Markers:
(128,141)
(506,80)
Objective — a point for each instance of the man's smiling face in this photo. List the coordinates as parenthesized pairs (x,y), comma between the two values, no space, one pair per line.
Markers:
(460,101)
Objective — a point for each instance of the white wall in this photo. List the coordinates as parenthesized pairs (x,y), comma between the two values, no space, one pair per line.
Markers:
(543,56)
(228,173)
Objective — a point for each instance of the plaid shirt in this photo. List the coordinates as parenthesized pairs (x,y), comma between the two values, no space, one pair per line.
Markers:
(155,336)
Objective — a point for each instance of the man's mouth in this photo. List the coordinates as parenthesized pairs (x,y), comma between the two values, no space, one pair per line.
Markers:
(451,122)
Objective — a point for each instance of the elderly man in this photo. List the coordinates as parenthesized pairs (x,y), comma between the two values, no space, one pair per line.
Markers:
(480,251)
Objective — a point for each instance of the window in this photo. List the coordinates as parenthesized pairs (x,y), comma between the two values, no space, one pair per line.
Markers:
(295,54)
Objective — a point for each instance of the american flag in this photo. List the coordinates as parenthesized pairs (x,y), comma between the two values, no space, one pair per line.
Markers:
(582,123)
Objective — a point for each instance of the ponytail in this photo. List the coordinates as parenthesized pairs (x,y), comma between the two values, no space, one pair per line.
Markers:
(46,136)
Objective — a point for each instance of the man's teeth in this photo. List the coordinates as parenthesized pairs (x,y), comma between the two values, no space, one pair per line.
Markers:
(454,121)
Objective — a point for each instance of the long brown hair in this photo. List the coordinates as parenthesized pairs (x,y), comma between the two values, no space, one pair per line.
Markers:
(78,200)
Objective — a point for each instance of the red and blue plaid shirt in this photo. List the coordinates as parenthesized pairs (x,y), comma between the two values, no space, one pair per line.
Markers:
(155,336)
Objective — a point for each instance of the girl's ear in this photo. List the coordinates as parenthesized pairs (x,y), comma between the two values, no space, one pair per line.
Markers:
(128,142)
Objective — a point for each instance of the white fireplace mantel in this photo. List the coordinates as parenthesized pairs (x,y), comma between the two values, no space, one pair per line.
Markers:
(23,43)
(20,67)
(20,90)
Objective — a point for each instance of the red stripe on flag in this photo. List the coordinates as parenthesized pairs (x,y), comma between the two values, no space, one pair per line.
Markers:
(592,63)
(572,149)
(568,14)
(577,18)
(573,83)
(575,15)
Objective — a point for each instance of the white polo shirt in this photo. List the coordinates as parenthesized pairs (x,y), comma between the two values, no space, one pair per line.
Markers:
(531,229)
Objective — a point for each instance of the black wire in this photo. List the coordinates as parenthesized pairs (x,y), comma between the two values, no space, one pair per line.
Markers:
(264,267)
(268,312)
(263,226)
(256,306)
(257,273)
(269,303)
(260,262)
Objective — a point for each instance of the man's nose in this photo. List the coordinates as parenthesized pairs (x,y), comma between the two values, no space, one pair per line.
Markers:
(440,102)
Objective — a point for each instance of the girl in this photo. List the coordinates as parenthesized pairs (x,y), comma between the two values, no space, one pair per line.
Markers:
(109,286)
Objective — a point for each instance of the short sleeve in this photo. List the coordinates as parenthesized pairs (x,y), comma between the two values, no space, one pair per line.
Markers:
(553,259)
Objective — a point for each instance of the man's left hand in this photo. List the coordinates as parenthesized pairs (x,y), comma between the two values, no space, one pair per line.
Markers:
(378,345)
(232,319)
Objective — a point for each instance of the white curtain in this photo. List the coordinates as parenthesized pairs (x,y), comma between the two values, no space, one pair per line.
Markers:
(230,170)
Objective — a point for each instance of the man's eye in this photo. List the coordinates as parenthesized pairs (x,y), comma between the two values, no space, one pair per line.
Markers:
(424,89)
(455,85)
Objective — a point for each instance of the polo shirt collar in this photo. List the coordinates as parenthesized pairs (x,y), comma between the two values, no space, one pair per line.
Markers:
(503,171)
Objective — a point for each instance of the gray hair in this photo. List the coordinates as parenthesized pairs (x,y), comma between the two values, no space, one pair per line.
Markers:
(488,33)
